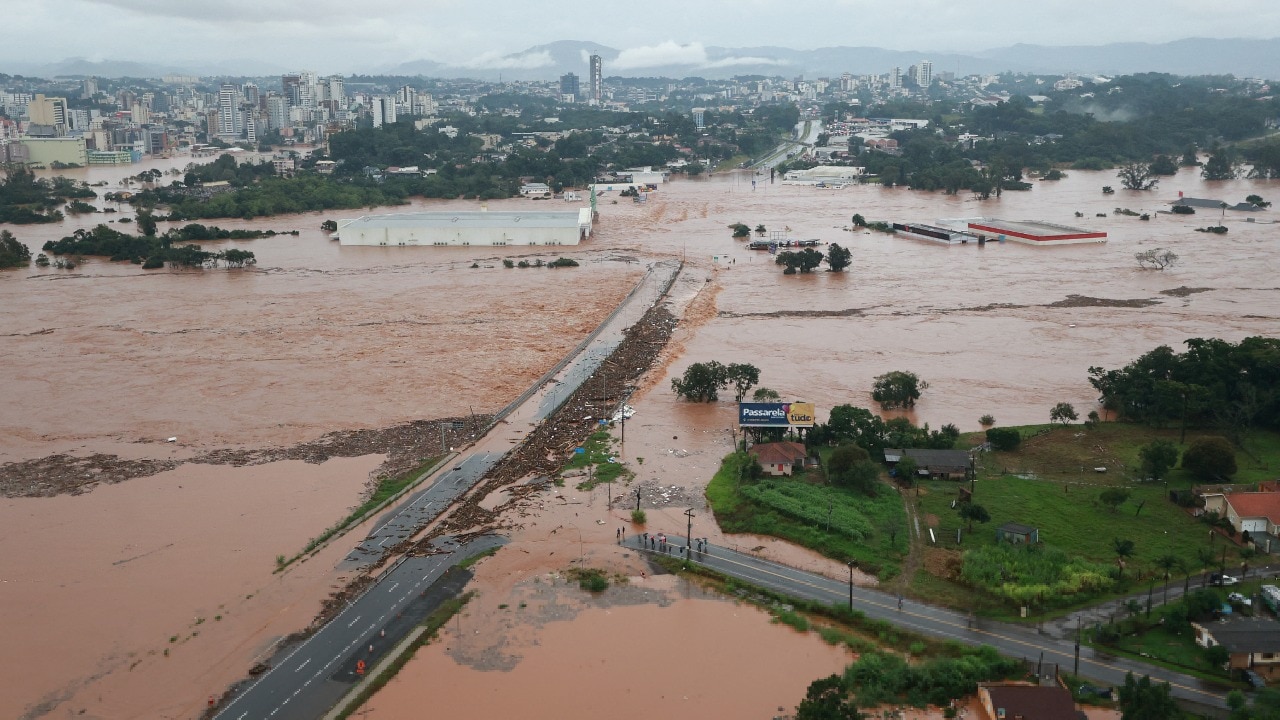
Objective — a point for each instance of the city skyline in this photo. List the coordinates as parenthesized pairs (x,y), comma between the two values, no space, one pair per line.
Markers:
(335,37)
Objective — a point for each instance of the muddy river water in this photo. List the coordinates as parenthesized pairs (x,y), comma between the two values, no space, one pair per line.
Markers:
(108,358)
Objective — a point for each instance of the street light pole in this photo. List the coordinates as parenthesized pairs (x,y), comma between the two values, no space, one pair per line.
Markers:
(851,565)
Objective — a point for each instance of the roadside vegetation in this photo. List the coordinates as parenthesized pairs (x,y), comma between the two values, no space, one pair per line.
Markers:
(599,460)
(842,522)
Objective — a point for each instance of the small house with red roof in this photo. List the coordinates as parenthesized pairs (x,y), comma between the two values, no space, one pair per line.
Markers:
(1008,701)
(779,458)
(1257,513)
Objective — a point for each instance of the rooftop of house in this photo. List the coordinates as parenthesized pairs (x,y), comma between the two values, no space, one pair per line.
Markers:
(1246,635)
(929,458)
(1032,702)
(778,453)
(1256,504)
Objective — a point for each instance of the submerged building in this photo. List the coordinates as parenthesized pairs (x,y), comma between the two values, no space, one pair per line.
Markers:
(1027,232)
(548,227)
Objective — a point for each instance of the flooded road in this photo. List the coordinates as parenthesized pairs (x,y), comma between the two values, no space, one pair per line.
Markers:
(650,648)
(319,337)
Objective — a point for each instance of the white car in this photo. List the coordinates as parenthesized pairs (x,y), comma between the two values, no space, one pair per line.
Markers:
(1239,599)
(1223,580)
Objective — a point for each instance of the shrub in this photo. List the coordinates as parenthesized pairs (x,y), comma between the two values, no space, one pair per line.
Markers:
(987,420)
(1006,439)
(1209,458)
(1183,210)
(508,263)
(153,262)
(563,262)
(638,517)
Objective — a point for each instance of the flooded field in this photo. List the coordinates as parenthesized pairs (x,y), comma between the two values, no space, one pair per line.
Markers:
(318,337)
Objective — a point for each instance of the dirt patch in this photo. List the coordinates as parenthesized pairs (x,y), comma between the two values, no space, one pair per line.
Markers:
(405,446)
(1184,291)
(943,563)
(1079,301)
(847,312)
(931,520)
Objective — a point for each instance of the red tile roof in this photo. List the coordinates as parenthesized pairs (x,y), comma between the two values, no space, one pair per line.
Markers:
(1032,702)
(1261,504)
(779,453)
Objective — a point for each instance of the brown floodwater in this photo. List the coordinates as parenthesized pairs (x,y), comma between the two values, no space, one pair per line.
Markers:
(140,599)
(319,337)
(653,652)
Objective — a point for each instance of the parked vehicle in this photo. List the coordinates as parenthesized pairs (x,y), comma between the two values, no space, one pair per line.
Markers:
(1255,680)
(1220,580)
(1239,599)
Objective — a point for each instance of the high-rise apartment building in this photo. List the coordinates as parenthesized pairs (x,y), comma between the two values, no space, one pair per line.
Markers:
(48,111)
(597,80)
(569,90)
(895,77)
(230,123)
(924,74)
(277,112)
(251,94)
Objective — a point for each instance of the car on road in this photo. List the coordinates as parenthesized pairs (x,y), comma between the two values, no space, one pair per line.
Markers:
(1220,580)
(1085,691)
(1237,599)
(1255,680)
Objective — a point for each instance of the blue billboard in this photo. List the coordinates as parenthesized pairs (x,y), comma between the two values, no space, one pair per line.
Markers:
(798,414)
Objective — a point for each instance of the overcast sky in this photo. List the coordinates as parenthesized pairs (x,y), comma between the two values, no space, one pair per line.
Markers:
(344,36)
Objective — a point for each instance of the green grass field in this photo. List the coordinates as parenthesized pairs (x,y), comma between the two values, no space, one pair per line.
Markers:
(598,455)
(870,531)
(1050,483)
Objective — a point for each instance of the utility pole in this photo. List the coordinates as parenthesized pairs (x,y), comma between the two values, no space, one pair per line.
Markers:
(637,499)
(851,565)
(688,537)
(1076,671)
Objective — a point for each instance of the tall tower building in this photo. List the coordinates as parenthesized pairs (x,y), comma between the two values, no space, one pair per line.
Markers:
(251,94)
(229,122)
(388,109)
(895,77)
(277,112)
(597,80)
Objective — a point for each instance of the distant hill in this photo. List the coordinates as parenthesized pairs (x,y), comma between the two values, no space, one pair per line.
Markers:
(1192,56)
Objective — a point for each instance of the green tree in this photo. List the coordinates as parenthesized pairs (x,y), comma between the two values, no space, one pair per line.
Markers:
(740,230)
(974,513)
(838,258)
(146,223)
(1124,549)
(898,388)
(761,230)
(1064,413)
(764,394)
(1257,200)
(743,377)
(1210,458)
(701,382)
(1137,176)
(1167,563)
(1222,165)
(1113,498)
(1164,165)
(1144,700)
(850,466)
(859,221)
(810,259)
(12,252)
(1158,457)
(906,470)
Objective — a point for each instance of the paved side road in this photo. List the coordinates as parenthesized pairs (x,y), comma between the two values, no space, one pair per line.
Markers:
(1009,639)
(306,681)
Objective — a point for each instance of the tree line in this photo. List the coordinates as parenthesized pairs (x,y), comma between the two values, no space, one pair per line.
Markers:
(152,251)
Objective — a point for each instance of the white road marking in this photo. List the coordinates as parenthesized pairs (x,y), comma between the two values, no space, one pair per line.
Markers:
(353,622)
(304,664)
(393,587)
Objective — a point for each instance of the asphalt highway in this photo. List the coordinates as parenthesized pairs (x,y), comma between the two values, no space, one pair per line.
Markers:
(1011,640)
(420,508)
(311,678)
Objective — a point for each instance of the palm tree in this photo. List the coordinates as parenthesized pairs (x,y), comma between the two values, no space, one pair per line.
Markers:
(1124,549)
(1206,557)
(1184,567)
(1167,563)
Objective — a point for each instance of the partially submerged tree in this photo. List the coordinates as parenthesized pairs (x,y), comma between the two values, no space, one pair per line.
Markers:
(1157,258)
(838,258)
(1137,176)
(898,388)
